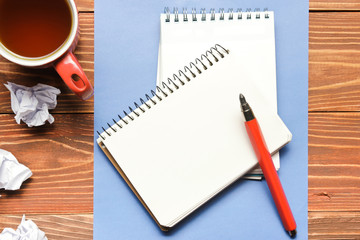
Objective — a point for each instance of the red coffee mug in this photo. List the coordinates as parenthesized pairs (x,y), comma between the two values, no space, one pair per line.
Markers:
(62,59)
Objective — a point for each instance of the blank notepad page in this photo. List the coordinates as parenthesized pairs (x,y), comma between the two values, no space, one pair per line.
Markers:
(249,35)
(178,152)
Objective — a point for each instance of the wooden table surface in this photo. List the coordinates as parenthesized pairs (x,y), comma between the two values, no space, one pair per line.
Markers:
(59,196)
(334,119)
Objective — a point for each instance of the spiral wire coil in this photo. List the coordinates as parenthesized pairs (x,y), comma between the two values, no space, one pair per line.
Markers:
(166,89)
(231,14)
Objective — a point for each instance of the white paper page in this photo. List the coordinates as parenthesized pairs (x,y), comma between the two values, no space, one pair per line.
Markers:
(252,39)
(193,144)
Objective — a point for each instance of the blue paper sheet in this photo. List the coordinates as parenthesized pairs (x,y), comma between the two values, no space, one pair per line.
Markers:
(126,47)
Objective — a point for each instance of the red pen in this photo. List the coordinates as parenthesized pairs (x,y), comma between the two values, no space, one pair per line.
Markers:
(268,168)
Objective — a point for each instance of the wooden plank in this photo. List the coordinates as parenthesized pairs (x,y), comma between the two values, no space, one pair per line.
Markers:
(85,5)
(334,66)
(334,225)
(67,101)
(61,159)
(56,227)
(338,5)
(334,165)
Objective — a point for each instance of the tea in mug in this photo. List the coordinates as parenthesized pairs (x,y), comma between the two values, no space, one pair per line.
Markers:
(34,28)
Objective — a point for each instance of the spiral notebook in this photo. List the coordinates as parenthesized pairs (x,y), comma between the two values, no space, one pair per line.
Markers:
(248,34)
(187,142)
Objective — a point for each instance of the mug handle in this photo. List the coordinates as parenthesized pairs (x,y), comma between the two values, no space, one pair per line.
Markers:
(74,77)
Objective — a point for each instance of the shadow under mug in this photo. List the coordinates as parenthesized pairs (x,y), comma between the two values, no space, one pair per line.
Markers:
(62,59)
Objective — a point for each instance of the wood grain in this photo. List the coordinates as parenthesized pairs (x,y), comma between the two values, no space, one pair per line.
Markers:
(334,61)
(60,155)
(56,227)
(331,5)
(334,162)
(334,138)
(59,185)
(85,5)
(334,225)
(61,159)
(67,101)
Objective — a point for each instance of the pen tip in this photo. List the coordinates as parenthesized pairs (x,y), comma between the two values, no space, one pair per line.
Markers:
(242,99)
(292,233)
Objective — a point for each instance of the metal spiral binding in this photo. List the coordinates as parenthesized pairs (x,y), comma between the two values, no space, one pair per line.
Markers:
(176,12)
(221,10)
(166,89)
(185,14)
(266,13)
(248,13)
(203,14)
(231,14)
(193,13)
(212,12)
(257,10)
(239,12)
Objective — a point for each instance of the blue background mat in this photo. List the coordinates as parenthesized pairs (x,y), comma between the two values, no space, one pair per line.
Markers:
(126,47)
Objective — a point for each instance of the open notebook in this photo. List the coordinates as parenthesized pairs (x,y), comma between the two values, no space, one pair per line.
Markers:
(250,35)
(185,144)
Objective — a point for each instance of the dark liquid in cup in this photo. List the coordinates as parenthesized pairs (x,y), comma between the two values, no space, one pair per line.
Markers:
(34,28)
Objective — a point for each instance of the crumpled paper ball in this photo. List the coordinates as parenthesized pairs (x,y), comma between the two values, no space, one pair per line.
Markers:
(31,104)
(12,173)
(27,230)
